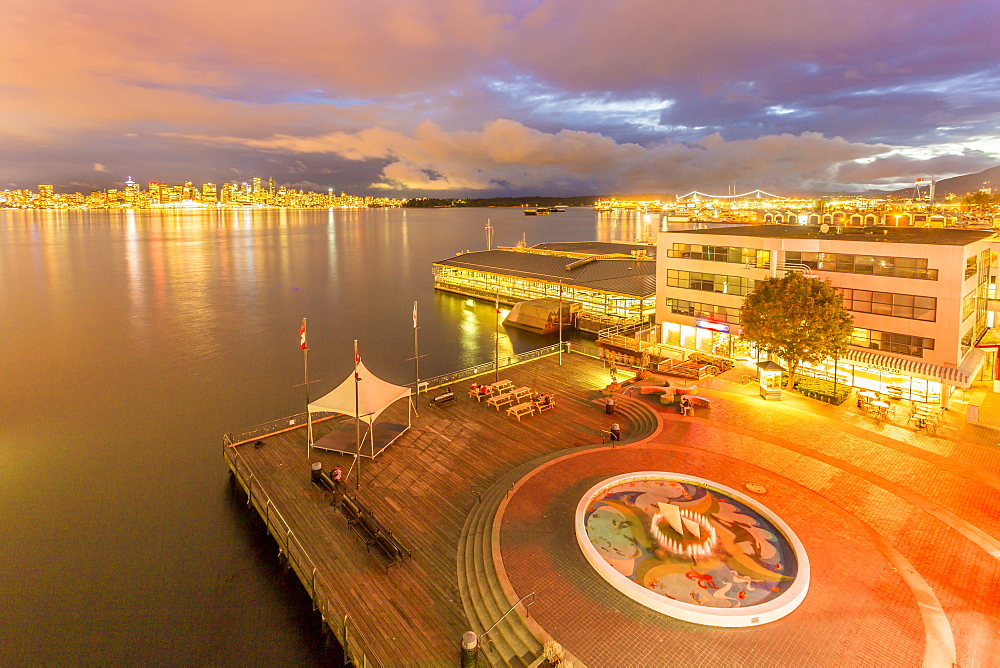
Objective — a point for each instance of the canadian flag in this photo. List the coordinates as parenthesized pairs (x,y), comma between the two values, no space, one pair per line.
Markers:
(302,335)
(357,361)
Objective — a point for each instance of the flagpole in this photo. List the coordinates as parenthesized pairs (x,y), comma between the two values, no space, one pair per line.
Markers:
(560,323)
(357,418)
(416,355)
(305,371)
(496,342)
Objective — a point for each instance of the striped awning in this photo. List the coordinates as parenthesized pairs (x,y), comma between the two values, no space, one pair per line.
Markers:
(959,377)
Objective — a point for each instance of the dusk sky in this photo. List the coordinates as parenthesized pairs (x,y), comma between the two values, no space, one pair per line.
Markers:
(500,97)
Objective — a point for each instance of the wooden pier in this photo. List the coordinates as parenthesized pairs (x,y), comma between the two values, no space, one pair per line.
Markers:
(423,488)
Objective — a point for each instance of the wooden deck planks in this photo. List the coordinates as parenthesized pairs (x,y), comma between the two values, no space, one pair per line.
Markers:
(422,488)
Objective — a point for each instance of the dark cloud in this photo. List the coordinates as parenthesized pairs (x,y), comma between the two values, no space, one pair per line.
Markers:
(394,95)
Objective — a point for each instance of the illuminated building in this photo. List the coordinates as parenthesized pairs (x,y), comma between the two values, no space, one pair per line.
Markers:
(919,298)
(45,196)
(614,283)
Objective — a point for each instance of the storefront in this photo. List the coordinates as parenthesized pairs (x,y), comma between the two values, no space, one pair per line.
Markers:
(705,336)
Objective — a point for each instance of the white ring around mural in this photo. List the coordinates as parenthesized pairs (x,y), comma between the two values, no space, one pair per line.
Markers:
(753,615)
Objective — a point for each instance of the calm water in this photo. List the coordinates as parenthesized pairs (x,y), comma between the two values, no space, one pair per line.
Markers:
(131,341)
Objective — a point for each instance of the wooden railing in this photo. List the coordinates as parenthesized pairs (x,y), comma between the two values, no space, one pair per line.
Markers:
(356,649)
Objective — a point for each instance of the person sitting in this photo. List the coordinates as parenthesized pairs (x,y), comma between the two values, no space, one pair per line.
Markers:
(484,389)
(544,399)
(686,407)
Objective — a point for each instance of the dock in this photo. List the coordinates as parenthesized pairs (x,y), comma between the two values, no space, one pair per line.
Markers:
(435,488)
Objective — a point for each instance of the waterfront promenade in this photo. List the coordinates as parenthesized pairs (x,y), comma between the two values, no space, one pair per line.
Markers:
(900,527)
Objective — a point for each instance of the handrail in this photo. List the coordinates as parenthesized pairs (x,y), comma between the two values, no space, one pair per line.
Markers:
(526,611)
(356,648)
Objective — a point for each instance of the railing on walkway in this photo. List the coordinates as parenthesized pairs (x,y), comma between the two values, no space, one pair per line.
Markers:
(357,651)
(480,369)
(484,639)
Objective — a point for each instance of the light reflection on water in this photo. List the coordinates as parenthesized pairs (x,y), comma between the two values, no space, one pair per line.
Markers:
(131,340)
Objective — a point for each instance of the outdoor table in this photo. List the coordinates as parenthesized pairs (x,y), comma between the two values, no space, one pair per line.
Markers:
(521,392)
(500,400)
(868,396)
(517,411)
(501,386)
(881,405)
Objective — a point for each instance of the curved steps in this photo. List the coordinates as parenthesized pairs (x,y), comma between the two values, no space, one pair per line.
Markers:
(511,642)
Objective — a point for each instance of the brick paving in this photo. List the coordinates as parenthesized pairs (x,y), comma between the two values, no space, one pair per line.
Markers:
(888,515)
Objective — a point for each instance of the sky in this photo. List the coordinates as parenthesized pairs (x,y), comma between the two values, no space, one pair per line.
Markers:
(481,98)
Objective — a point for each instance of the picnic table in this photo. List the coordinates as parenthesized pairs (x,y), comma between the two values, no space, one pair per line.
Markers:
(501,386)
(527,408)
(501,399)
(521,392)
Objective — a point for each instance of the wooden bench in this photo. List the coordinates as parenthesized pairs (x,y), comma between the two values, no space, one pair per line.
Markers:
(527,408)
(378,539)
(545,405)
(443,398)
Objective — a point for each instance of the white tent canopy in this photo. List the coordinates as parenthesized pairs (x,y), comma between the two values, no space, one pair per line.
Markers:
(374,395)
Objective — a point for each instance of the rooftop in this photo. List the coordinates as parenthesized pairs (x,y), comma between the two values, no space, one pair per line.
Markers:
(624,275)
(596,247)
(900,235)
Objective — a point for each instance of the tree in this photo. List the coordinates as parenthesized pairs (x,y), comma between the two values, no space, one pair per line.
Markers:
(798,318)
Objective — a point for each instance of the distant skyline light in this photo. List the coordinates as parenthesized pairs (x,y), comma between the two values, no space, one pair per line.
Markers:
(505,97)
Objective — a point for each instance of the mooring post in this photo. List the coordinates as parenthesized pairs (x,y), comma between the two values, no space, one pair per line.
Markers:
(470,643)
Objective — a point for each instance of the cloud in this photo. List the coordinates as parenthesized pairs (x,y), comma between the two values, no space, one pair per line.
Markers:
(420,91)
(507,155)
(98,167)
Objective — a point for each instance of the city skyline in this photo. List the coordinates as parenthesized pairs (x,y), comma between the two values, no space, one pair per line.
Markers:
(500,98)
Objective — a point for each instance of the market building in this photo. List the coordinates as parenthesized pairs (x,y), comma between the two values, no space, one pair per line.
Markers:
(920,298)
(613,283)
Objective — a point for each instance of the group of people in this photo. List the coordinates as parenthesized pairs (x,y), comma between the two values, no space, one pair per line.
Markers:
(481,389)
(543,399)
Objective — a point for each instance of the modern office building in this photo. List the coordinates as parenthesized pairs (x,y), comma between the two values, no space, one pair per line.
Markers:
(919,296)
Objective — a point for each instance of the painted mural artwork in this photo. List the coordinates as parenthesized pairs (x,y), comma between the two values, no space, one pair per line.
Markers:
(690,543)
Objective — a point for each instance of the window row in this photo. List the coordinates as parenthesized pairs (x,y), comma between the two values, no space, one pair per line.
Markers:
(903,344)
(700,310)
(901,267)
(760,258)
(890,303)
(970,267)
(968,304)
(696,280)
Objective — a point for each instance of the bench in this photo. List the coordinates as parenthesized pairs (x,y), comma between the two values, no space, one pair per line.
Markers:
(378,539)
(323,480)
(443,398)
(527,408)
(546,405)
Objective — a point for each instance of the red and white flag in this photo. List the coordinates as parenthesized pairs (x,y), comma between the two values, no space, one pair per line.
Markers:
(414,315)
(357,361)
(498,302)
(302,335)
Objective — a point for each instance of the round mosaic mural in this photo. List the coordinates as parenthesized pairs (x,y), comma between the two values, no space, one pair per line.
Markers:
(692,549)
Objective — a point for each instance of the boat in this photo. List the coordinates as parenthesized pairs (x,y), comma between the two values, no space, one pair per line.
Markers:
(531,212)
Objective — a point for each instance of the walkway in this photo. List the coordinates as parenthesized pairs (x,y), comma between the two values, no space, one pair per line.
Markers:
(900,526)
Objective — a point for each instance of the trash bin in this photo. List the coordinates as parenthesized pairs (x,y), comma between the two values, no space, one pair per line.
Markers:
(317,471)
(616,432)
(609,406)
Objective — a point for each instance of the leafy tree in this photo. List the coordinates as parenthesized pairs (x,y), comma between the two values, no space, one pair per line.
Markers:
(798,318)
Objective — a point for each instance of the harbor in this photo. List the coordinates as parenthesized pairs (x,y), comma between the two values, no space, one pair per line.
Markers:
(423,488)
(484,503)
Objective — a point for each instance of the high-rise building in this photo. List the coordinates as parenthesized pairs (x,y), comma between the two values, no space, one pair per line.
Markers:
(131,192)
(45,195)
(209,193)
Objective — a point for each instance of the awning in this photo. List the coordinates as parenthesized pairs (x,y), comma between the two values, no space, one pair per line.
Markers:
(958,377)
